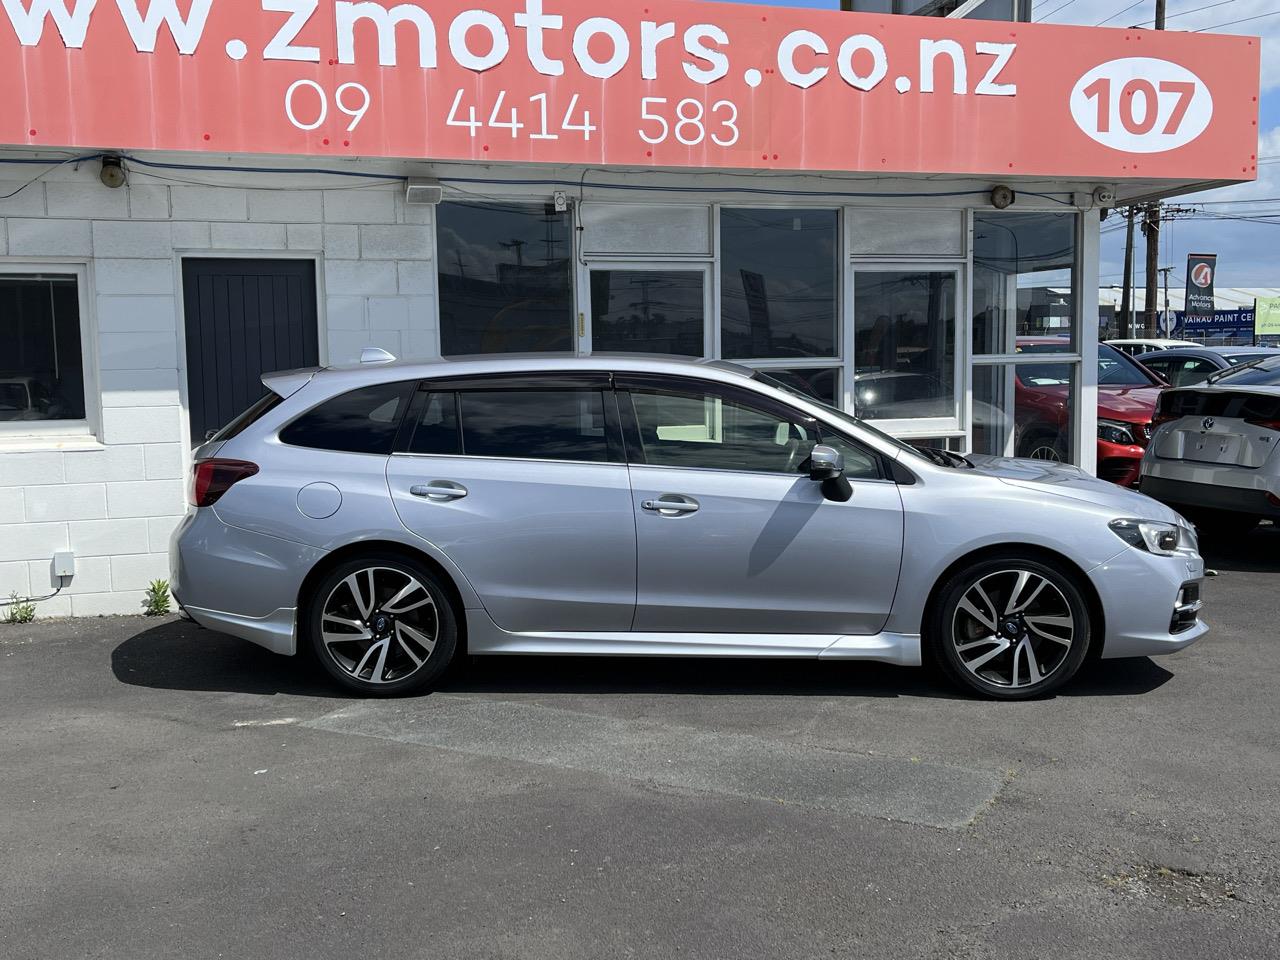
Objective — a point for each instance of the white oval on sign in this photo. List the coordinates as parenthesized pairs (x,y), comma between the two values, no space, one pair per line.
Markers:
(1141,105)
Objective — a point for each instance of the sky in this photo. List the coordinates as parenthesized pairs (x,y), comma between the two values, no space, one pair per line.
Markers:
(1249,252)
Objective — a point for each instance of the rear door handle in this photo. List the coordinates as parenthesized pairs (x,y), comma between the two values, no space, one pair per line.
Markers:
(439,491)
(671,505)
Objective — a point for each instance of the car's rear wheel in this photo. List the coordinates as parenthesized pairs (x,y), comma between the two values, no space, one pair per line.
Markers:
(1010,628)
(382,625)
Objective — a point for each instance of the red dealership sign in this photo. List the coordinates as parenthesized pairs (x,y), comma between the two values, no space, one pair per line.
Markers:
(671,83)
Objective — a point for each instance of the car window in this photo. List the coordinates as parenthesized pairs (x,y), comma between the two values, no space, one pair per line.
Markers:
(534,424)
(701,428)
(252,415)
(1118,370)
(1259,373)
(362,421)
(1190,370)
(436,430)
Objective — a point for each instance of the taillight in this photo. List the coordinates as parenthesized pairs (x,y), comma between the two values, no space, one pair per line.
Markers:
(1162,418)
(210,479)
(1265,424)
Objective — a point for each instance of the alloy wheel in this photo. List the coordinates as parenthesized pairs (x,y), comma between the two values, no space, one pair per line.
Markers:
(1013,628)
(1046,451)
(380,625)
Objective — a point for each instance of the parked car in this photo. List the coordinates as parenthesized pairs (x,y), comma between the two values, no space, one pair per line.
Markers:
(1138,345)
(1186,365)
(1214,453)
(387,516)
(1127,394)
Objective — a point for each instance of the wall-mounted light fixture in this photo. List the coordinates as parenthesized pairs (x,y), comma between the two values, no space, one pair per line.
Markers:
(112,173)
(1002,197)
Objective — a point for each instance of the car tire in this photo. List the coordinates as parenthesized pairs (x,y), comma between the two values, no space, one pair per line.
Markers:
(382,625)
(1027,638)
(1044,446)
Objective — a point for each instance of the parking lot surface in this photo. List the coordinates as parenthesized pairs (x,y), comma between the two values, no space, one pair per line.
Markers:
(171,792)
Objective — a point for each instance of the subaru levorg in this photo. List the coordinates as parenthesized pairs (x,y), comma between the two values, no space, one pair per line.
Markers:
(387,516)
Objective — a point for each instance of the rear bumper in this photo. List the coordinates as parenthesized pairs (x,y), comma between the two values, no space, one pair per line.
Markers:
(1140,594)
(238,582)
(1184,493)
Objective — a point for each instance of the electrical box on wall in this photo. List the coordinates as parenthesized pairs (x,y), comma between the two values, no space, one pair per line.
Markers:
(64,563)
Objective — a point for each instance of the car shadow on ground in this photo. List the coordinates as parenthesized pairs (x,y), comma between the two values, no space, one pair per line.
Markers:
(181,656)
(1255,552)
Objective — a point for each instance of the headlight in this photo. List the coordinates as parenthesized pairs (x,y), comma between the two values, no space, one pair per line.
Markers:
(1113,431)
(1155,536)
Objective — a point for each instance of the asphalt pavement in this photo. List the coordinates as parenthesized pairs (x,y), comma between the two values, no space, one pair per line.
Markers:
(170,792)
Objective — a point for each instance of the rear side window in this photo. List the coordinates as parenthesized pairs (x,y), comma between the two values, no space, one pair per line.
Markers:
(534,424)
(436,430)
(362,421)
(248,418)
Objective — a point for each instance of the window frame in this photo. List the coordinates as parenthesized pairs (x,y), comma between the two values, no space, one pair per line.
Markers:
(586,334)
(88,428)
(913,426)
(548,381)
(625,383)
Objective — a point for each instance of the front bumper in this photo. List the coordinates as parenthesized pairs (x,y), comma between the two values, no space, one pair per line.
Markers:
(1120,464)
(1140,594)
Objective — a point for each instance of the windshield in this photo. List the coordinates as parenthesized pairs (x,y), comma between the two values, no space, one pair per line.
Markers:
(1114,368)
(837,412)
(1262,372)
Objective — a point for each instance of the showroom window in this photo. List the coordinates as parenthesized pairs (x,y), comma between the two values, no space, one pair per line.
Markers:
(904,343)
(42,370)
(505,273)
(1025,336)
(779,277)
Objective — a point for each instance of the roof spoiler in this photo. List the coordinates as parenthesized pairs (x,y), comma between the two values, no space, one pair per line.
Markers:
(286,383)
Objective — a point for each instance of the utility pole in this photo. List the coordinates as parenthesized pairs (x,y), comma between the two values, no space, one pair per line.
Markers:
(1151,230)
(1126,296)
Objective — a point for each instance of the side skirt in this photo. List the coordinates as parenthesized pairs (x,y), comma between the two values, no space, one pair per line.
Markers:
(484,637)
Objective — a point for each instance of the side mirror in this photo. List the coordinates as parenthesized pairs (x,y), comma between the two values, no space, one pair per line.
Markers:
(825,463)
(827,467)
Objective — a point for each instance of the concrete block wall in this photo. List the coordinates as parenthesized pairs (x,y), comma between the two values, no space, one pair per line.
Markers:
(115,497)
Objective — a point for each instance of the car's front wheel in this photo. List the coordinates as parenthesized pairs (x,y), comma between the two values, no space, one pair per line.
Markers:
(1010,628)
(382,626)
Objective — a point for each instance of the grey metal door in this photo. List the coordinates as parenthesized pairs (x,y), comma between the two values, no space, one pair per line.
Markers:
(244,318)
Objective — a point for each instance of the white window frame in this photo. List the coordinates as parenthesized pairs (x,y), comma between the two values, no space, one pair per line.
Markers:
(924,427)
(89,428)
(704,266)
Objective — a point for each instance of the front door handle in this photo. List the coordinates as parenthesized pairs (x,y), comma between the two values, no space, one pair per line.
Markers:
(671,505)
(439,491)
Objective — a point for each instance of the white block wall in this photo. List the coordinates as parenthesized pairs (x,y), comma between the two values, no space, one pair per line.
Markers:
(115,499)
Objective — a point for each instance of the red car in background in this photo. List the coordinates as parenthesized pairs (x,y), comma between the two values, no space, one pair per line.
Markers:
(1127,394)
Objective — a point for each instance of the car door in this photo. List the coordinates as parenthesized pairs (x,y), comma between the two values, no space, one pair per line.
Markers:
(521,482)
(731,534)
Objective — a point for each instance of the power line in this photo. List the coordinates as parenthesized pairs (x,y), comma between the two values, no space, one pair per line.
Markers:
(1183,13)
(1120,13)
(1046,16)
(1232,23)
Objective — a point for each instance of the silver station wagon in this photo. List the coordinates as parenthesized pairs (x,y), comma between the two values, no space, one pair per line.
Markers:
(388,516)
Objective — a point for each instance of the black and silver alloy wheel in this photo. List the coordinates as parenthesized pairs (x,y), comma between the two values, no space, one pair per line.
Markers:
(1011,628)
(381,626)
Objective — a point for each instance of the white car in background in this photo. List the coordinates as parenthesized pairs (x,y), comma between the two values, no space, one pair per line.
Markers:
(1213,455)
(1137,346)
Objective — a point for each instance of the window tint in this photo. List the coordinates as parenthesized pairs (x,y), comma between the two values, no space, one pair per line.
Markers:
(362,421)
(702,429)
(41,370)
(437,428)
(534,424)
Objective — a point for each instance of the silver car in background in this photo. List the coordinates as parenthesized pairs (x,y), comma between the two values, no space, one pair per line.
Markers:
(387,516)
